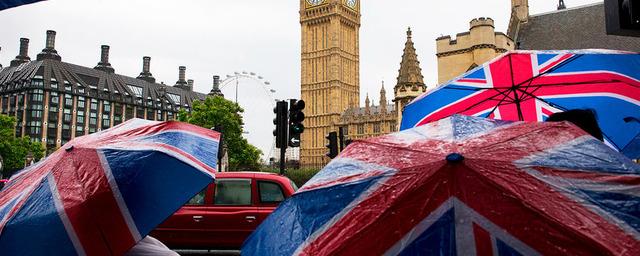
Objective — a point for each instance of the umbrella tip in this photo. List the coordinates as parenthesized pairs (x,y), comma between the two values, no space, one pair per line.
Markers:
(454,158)
(69,148)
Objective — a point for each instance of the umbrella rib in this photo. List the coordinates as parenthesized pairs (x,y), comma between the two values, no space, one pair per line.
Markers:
(499,104)
(551,69)
(482,101)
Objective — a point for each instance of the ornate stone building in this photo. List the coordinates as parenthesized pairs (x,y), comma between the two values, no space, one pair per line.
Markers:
(330,79)
(330,70)
(470,49)
(581,27)
(55,101)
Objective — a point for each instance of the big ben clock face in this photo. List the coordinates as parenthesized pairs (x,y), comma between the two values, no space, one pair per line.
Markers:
(315,2)
(352,3)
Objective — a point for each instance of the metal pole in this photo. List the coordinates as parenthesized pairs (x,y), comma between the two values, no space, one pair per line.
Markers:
(237,89)
(282,160)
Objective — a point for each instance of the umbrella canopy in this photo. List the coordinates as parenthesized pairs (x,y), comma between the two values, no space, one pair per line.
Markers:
(464,186)
(531,85)
(6,4)
(102,193)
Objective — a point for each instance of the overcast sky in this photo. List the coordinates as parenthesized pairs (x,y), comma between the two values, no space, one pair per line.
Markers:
(225,36)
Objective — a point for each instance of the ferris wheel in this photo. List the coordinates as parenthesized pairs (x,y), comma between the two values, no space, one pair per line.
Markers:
(257,97)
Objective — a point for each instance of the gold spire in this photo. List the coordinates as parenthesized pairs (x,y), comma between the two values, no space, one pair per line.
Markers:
(383,99)
(410,72)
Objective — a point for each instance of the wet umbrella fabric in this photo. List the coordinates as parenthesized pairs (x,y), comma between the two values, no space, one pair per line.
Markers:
(102,193)
(464,186)
(531,85)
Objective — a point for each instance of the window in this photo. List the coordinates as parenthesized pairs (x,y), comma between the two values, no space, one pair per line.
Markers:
(68,100)
(106,106)
(361,129)
(80,103)
(198,199)
(128,112)
(174,97)
(94,104)
(137,90)
(270,192)
(66,117)
(106,122)
(392,127)
(54,100)
(233,192)
(376,128)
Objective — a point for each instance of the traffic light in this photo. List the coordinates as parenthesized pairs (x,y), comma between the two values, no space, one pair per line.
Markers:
(296,116)
(281,124)
(332,145)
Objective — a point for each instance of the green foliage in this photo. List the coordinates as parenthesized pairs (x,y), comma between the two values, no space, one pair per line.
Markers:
(299,176)
(14,150)
(215,111)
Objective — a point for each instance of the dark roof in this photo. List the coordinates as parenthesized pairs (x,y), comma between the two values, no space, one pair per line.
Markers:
(575,28)
(118,87)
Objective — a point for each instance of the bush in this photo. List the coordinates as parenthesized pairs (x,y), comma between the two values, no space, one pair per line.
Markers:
(298,176)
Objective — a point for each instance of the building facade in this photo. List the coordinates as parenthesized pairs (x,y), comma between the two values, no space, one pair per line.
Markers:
(330,80)
(55,101)
(470,49)
(581,27)
(330,70)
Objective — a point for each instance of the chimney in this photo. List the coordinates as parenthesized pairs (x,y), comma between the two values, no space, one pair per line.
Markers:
(146,64)
(216,82)
(51,39)
(49,52)
(215,91)
(182,72)
(146,74)
(23,56)
(104,64)
(182,83)
(190,83)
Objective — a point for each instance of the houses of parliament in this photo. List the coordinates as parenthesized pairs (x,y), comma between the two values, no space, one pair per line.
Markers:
(330,79)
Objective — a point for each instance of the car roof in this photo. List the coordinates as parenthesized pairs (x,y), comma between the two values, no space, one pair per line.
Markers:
(266,175)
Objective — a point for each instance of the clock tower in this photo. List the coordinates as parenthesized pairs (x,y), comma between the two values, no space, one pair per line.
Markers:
(330,78)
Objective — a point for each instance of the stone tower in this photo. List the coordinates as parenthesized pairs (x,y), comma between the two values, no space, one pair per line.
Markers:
(410,80)
(330,70)
(470,49)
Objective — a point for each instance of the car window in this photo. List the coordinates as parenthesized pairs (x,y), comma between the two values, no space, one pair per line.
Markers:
(270,192)
(233,192)
(198,199)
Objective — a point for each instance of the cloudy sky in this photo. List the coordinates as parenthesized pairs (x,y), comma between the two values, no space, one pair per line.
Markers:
(226,36)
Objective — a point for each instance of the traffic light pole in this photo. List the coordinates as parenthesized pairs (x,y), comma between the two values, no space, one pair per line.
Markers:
(282,160)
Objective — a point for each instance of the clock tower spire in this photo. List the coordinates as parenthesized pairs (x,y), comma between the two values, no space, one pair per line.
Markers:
(330,78)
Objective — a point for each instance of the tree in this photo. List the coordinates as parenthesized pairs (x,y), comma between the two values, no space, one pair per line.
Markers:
(15,150)
(214,111)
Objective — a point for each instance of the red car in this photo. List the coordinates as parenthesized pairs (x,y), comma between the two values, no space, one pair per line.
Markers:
(224,214)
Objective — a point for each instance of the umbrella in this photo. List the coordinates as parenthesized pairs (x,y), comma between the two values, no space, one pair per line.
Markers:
(531,85)
(464,186)
(102,193)
(6,4)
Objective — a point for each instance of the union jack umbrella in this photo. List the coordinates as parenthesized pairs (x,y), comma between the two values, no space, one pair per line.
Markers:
(531,85)
(464,186)
(6,4)
(101,193)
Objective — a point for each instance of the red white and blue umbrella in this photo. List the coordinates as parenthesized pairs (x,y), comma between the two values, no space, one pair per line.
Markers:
(6,4)
(102,193)
(531,85)
(464,186)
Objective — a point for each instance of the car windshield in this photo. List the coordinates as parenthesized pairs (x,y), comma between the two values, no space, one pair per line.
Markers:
(293,184)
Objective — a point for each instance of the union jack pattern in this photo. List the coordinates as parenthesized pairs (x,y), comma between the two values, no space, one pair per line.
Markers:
(523,188)
(103,192)
(531,85)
